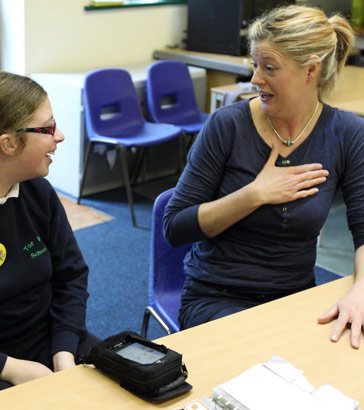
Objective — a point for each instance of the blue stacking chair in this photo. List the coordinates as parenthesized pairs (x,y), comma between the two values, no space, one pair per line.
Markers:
(166,273)
(113,117)
(171,97)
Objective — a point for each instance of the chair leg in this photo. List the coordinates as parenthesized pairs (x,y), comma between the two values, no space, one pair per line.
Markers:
(145,324)
(185,143)
(85,167)
(137,165)
(150,311)
(181,153)
(190,142)
(129,194)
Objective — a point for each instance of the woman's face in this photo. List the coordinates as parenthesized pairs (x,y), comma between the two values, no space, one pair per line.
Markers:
(281,83)
(35,158)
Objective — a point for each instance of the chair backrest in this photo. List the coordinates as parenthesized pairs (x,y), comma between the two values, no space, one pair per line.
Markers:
(166,273)
(170,93)
(111,103)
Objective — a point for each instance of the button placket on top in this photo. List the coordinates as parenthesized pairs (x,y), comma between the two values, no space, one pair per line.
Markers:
(285,163)
(284,216)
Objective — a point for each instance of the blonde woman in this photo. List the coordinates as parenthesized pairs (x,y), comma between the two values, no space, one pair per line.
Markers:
(262,174)
(43,277)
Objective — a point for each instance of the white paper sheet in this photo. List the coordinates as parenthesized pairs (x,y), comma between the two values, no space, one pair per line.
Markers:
(278,385)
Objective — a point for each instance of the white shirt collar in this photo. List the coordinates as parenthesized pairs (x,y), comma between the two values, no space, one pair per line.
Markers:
(13,193)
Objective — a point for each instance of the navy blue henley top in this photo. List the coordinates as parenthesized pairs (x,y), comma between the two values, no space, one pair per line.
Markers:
(273,248)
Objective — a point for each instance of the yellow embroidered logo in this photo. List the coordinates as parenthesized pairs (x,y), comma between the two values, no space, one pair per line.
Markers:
(2,254)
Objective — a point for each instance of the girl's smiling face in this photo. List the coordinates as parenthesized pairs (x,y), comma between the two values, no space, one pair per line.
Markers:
(34,159)
(281,83)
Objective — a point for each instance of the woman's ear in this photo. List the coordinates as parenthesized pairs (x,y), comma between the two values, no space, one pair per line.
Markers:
(313,68)
(9,145)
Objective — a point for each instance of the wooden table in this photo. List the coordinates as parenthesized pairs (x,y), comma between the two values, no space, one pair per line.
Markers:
(216,352)
(348,94)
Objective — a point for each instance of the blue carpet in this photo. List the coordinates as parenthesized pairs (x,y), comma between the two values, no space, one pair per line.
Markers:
(118,257)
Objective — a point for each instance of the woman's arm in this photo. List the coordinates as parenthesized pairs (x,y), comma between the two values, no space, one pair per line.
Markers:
(349,309)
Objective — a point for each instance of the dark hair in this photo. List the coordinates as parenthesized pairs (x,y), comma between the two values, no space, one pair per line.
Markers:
(20,98)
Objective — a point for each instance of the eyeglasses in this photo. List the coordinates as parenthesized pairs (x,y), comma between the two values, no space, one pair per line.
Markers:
(50,130)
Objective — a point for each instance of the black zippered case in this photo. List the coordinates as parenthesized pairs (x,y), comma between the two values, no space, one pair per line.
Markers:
(147,369)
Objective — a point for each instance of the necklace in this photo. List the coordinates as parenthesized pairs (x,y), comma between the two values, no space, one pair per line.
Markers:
(290,142)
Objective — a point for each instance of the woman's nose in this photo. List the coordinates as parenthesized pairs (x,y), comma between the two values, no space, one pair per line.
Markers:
(257,78)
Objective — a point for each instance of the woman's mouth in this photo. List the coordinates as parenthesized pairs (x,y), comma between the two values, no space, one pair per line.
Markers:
(264,97)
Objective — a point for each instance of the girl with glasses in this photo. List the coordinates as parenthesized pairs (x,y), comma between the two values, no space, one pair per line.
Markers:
(43,277)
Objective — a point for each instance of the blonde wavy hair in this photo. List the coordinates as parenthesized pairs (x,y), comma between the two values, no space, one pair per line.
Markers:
(20,98)
(300,32)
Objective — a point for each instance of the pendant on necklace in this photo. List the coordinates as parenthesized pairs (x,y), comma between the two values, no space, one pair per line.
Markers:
(288,143)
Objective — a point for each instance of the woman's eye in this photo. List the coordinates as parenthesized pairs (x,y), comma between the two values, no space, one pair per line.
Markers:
(268,68)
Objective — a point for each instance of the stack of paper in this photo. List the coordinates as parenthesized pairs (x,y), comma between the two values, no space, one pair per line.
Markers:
(277,385)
